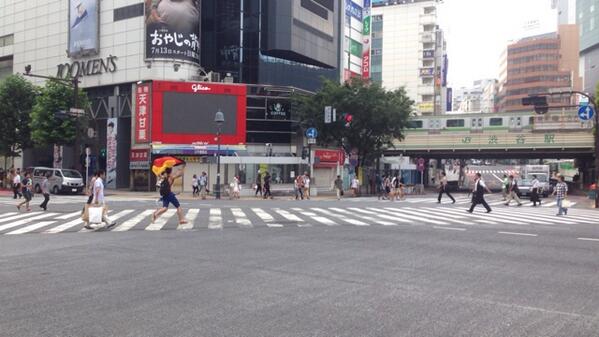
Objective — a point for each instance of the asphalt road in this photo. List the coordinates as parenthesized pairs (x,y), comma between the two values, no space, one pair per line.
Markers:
(466,276)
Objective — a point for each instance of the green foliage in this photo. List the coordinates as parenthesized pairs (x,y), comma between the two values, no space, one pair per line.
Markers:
(17,97)
(48,126)
(379,116)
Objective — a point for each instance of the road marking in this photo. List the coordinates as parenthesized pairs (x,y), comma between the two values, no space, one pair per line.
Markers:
(7,214)
(516,233)
(588,239)
(453,212)
(20,215)
(321,219)
(31,228)
(240,217)
(384,216)
(127,225)
(191,216)
(411,215)
(113,217)
(534,218)
(68,215)
(215,221)
(450,228)
(26,221)
(377,221)
(267,218)
(64,227)
(161,221)
(341,217)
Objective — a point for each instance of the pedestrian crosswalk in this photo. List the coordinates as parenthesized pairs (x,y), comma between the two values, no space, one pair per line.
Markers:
(219,218)
(494,200)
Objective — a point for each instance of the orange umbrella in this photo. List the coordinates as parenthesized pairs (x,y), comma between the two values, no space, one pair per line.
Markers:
(160,164)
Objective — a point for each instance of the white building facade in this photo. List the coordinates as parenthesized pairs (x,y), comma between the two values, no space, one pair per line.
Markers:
(409,50)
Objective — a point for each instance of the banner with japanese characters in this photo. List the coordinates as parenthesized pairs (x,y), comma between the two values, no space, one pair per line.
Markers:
(173,30)
(111,149)
(142,113)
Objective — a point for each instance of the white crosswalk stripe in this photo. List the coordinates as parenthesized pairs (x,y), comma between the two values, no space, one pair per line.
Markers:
(390,214)
(132,222)
(317,218)
(215,221)
(267,218)
(240,217)
(162,220)
(191,216)
(340,217)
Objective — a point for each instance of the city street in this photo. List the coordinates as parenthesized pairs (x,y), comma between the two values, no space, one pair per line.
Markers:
(356,267)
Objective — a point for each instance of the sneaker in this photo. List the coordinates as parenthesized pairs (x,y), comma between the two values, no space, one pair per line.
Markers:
(489,211)
(88,226)
(469,211)
(453,202)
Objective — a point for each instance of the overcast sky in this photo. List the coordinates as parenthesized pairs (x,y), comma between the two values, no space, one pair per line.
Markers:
(477,31)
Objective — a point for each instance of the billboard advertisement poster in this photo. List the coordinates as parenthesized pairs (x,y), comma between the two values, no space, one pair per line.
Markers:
(58,152)
(173,30)
(84,27)
(143,98)
(366,40)
(111,139)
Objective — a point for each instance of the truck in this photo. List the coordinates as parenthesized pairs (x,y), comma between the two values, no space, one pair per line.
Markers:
(542,172)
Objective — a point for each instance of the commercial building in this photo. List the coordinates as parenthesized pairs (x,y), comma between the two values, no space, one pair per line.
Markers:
(157,71)
(409,50)
(356,39)
(540,64)
(478,98)
(587,19)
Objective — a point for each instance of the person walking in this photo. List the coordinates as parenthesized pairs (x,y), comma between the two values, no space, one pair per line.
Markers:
(258,184)
(307,185)
(267,179)
(561,192)
(378,180)
(513,191)
(235,188)
(338,184)
(478,194)
(203,185)
(45,192)
(395,186)
(16,184)
(504,186)
(355,186)
(168,197)
(195,186)
(299,187)
(387,186)
(443,188)
(26,192)
(534,193)
(98,199)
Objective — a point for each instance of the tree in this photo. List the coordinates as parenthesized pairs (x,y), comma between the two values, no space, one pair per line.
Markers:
(17,97)
(378,116)
(50,121)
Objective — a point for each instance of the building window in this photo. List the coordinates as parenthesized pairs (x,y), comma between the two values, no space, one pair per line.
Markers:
(6,66)
(455,123)
(128,12)
(7,40)
(414,124)
(496,122)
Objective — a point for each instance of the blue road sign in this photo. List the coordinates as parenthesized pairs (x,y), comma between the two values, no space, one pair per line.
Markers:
(311,133)
(586,113)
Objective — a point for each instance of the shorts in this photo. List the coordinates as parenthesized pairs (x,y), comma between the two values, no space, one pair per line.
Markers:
(170,199)
(27,195)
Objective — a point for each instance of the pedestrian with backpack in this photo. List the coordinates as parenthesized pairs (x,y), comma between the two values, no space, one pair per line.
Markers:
(168,197)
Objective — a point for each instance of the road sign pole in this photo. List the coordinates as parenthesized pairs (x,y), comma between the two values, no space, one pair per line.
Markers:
(592,102)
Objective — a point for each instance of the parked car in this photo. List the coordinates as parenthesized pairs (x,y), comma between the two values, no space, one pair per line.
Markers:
(60,180)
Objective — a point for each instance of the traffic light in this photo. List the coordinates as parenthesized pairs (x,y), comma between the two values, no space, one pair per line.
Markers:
(539,103)
(347,118)
(304,152)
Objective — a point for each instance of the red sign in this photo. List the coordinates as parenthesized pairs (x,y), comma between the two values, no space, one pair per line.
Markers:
(142,113)
(139,159)
(330,156)
(237,91)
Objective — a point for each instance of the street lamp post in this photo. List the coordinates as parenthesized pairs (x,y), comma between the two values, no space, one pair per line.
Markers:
(219,119)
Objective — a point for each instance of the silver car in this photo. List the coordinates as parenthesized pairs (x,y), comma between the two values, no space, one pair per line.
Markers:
(60,180)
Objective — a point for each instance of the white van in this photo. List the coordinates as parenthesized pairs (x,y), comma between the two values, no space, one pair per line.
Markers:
(60,180)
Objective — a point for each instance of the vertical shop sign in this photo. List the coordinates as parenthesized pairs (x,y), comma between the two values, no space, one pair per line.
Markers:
(111,148)
(142,113)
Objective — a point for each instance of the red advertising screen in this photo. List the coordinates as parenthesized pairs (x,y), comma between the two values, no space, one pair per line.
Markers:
(183,112)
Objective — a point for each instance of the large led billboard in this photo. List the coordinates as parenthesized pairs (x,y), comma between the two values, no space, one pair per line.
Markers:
(183,112)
